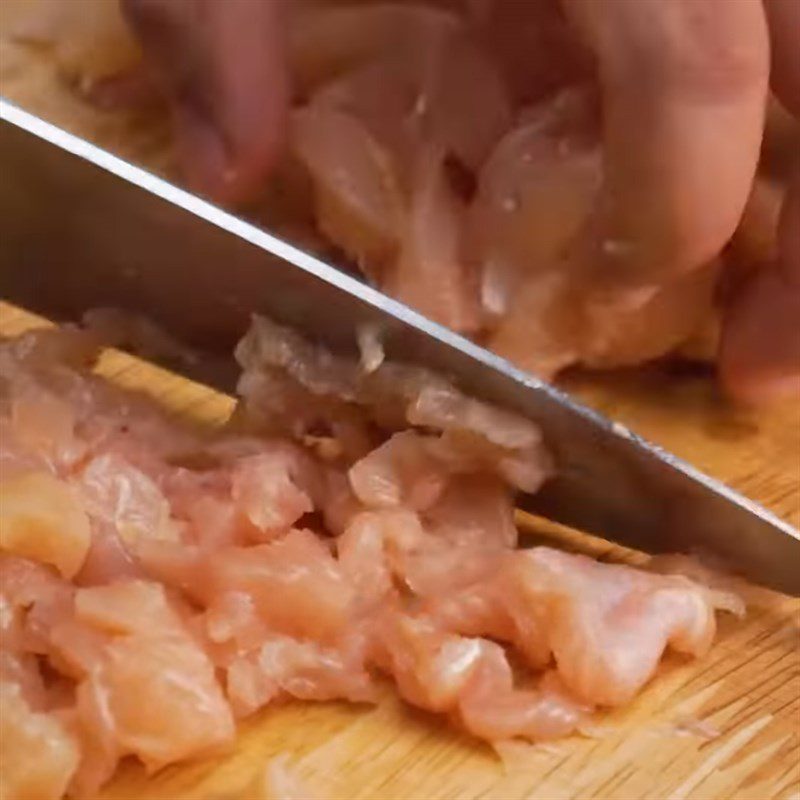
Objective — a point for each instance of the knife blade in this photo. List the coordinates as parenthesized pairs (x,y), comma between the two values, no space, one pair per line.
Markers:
(81,228)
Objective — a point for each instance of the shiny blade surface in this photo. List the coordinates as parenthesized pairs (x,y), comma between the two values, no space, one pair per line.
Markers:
(80,228)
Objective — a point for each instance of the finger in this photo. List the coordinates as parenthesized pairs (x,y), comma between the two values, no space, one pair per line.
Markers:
(783,17)
(222,65)
(684,92)
(760,349)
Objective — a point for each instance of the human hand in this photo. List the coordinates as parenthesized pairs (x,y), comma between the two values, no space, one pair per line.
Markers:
(760,355)
(684,86)
(222,68)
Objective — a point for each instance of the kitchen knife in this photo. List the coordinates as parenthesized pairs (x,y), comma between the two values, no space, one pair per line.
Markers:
(81,229)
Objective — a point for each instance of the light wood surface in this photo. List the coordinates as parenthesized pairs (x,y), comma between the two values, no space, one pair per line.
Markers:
(748,688)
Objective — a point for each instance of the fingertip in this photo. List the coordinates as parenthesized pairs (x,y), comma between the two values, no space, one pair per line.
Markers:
(684,87)
(222,68)
(200,150)
(225,171)
(256,150)
(759,358)
(252,99)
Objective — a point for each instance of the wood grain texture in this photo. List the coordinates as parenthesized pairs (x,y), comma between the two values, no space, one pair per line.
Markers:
(747,688)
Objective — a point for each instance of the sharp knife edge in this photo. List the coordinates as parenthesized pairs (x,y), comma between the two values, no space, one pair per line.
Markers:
(82,228)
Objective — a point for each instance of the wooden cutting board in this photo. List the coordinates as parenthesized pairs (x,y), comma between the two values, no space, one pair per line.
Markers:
(726,726)
(747,689)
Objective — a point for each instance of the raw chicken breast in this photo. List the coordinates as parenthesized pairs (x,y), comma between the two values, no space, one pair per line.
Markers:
(475,511)
(472,678)
(476,436)
(494,710)
(534,194)
(383,95)
(604,626)
(295,583)
(168,581)
(401,472)
(185,713)
(462,103)
(358,198)
(125,498)
(38,753)
(301,669)
(264,490)
(150,654)
(608,625)
(641,332)
(33,599)
(430,274)
(42,518)
(327,41)
(486,198)
(451,152)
